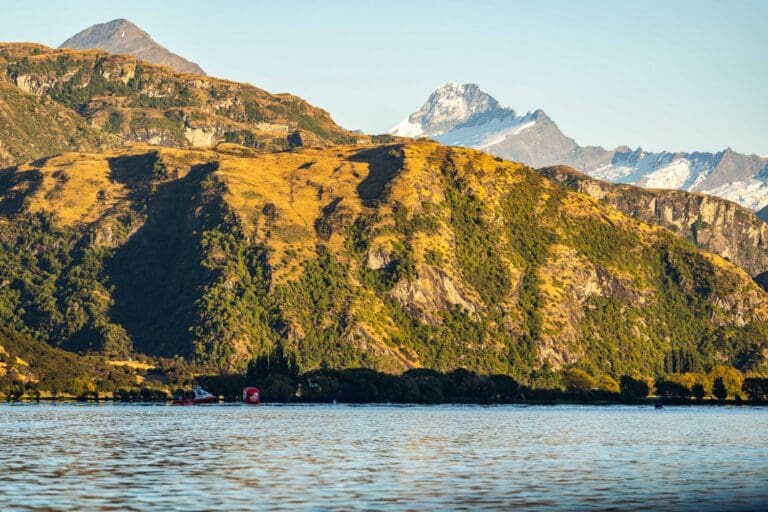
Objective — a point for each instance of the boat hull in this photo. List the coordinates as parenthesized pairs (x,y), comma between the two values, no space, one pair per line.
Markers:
(195,401)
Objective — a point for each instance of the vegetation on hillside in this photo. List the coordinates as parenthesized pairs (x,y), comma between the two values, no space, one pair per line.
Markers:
(715,224)
(30,368)
(32,127)
(391,258)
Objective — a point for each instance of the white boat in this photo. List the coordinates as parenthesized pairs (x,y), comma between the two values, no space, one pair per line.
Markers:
(200,396)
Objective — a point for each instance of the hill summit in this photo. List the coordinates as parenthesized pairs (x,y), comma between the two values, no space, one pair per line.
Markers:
(122,36)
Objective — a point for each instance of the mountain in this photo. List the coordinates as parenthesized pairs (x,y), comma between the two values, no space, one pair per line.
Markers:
(389,257)
(464,115)
(122,36)
(103,100)
(717,225)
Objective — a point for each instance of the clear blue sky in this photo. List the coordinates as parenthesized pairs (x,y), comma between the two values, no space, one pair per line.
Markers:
(677,75)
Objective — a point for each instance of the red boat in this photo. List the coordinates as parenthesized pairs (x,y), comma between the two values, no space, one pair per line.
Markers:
(200,396)
(251,396)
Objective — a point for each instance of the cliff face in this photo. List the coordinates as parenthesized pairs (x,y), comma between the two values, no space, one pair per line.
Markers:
(124,101)
(389,257)
(715,224)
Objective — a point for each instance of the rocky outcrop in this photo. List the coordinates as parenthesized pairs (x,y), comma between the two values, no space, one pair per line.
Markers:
(431,293)
(715,224)
(201,136)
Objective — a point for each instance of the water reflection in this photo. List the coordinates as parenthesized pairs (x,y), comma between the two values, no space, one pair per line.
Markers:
(115,457)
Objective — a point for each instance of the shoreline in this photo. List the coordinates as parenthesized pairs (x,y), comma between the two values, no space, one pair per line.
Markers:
(650,402)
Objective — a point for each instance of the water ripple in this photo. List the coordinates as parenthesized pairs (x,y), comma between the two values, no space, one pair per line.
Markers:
(117,457)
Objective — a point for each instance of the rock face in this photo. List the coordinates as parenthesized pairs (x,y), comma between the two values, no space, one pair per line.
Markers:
(122,36)
(390,257)
(717,225)
(464,115)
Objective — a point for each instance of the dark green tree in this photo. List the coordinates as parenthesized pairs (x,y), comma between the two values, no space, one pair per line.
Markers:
(719,390)
(698,391)
(755,388)
(671,389)
(632,389)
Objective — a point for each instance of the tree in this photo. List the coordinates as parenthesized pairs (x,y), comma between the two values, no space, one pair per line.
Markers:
(671,389)
(608,383)
(279,388)
(632,389)
(719,390)
(159,171)
(579,380)
(731,377)
(690,379)
(277,362)
(698,391)
(755,388)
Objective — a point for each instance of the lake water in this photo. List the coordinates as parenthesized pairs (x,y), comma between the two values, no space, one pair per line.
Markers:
(231,457)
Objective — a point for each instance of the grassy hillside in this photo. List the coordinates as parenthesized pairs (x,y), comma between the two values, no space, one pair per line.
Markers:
(388,257)
(28,366)
(122,100)
(32,127)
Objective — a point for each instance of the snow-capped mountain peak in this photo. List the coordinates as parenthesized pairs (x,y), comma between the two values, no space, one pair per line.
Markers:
(465,115)
(448,107)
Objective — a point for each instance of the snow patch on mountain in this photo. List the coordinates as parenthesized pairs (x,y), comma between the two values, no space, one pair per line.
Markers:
(673,175)
(406,128)
(482,135)
(657,170)
(751,193)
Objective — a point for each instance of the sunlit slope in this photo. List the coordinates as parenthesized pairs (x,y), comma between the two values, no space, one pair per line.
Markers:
(31,127)
(389,257)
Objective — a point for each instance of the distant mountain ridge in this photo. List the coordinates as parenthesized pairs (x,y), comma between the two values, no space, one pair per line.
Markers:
(74,100)
(122,36)
(465,115)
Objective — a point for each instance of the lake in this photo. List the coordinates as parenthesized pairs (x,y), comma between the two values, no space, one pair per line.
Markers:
(326,457)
